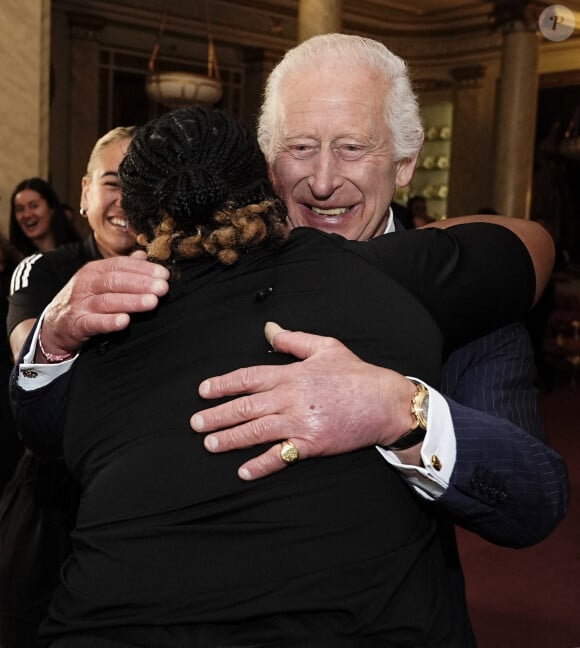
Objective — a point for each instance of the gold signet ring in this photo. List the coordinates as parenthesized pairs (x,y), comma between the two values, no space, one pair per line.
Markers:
(289,452)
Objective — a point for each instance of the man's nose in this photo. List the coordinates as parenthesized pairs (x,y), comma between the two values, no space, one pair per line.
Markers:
(325,175)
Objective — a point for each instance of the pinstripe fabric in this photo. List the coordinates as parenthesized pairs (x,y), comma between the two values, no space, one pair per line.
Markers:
(496,374)
(508,485)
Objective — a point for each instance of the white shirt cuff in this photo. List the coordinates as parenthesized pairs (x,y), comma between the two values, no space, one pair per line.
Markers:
(438,451)
(33,376)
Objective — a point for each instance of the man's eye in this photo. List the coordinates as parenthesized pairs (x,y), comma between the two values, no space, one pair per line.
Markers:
(350,151)
(302,151)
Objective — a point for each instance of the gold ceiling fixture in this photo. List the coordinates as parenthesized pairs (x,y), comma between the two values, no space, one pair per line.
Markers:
(176,89)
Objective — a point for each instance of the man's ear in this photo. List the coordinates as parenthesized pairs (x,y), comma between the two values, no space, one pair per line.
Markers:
(405,170)
(273,179)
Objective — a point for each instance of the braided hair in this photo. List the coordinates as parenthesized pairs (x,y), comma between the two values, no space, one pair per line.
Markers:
(194,183)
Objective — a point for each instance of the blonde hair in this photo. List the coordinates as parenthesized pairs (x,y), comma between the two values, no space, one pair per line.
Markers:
(119,134)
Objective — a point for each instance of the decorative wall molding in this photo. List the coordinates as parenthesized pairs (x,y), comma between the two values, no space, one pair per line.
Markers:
(85,27)
(468,76)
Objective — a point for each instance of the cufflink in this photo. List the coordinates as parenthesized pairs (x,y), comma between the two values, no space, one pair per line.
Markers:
(436,463)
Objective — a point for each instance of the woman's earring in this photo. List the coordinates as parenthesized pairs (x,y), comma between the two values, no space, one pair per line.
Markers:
(83,212)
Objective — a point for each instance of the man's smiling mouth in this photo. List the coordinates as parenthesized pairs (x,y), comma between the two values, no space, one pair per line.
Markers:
(336,211)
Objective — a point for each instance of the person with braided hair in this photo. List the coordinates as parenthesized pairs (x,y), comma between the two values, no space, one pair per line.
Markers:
(170,547)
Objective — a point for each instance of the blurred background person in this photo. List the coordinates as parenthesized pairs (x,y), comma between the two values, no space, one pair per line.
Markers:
(417,205)
(37,219)
(10,446)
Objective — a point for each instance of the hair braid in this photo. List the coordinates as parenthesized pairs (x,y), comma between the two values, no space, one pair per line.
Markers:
(195,183)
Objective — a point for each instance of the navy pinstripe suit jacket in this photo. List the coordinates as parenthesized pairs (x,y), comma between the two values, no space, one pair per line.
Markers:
(508,485)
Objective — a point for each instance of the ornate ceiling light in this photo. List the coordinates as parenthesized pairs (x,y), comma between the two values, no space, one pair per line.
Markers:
(176,89)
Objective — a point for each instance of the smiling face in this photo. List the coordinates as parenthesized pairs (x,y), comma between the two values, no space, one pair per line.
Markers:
(334,164)
(101,198)
(33,215)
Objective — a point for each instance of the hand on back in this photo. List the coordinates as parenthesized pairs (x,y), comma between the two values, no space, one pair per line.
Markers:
(99,299)
(330,403)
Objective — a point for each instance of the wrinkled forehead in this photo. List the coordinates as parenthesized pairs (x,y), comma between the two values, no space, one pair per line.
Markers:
(331,105)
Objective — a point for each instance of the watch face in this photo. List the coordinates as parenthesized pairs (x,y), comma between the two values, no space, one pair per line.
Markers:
(420,405)
(425,410)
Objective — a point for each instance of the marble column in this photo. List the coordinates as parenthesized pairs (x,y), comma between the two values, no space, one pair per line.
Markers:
(516,122)
(469,178)
(25,96)
(318,17)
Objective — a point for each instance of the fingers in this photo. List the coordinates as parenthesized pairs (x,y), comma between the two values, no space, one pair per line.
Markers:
(243,436)
(296,343)
(262,378)
(242,381)
(126,275)
(100,297)
(278,402)
(255,409)
(138,254)
(271,330)
(106,313)
(134,264)
(127,282)
(115,286)
(265,464)
(90,325)
(117,303)
(258,432)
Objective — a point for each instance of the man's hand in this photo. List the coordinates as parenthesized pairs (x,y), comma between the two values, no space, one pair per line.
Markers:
(330,403)
(99,299)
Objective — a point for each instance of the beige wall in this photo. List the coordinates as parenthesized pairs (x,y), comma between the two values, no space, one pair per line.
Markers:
(24,96)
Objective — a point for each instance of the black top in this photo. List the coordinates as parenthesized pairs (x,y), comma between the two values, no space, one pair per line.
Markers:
(172,548)
(38,278)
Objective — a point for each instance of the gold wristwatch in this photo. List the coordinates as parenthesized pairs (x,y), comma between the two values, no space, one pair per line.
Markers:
(419,411)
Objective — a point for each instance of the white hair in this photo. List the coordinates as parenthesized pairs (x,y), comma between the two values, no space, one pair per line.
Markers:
(343,50)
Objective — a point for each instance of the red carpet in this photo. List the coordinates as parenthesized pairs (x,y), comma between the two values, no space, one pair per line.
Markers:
(530,598)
